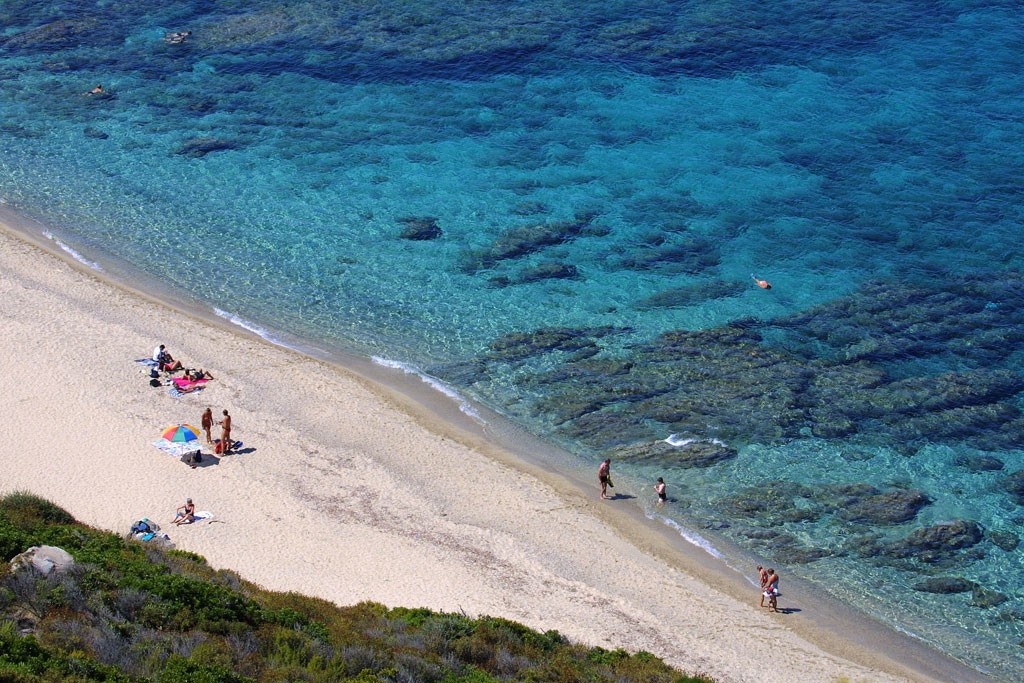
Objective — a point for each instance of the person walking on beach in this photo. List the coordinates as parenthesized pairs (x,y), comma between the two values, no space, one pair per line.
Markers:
(604,475)
(771,591)
(186,514)
(764,581)
(659,488)
(225,432)
(206,421)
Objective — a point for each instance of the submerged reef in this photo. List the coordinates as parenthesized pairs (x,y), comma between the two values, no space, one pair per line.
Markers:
(872,369)
(864,368)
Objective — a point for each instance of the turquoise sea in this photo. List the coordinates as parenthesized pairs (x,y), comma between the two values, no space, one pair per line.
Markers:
(555,210)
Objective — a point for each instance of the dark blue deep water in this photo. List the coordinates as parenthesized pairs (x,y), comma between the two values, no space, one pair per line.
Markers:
(557,208)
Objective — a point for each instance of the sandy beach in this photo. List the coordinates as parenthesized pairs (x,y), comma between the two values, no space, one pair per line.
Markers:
(349,490)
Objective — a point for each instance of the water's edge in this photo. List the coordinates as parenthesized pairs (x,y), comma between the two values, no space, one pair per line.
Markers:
(836,627)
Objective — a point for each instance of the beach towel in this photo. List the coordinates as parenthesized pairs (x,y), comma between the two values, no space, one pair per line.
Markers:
(148,362)
(176,449)
(177,393)
(204,516)
(185,384)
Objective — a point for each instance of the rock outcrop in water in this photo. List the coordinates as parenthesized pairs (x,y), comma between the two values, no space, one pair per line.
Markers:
(861,372)
(528,239)
(196,148)
(806,375)
(420,228)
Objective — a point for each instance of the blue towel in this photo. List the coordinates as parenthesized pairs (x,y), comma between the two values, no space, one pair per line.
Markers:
(148,362)
(173,391)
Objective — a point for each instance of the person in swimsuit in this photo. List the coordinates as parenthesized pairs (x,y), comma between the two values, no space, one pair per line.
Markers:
(98,90)
(771,591)
(604,475)
(206,421)
(186,514)
(165,361)
(660,489)
(225,432)
(763,284)
(764,581)
(177,37)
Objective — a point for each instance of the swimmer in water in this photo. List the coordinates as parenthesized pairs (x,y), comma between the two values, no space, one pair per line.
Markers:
(763,284)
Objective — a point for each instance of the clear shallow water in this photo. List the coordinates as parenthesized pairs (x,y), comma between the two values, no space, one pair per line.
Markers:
(618,174)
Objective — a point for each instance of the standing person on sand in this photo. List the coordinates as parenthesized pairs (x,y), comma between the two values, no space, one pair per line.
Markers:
(206,421)
(225,432)
(604,475)
(764,581)
(771,591)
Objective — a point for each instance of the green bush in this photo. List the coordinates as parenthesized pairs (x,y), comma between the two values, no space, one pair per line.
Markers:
(167,616)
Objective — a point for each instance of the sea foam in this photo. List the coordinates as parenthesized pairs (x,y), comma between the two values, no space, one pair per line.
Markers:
(73,253)
(434,383)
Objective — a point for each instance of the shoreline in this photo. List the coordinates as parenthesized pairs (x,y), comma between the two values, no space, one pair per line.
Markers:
(479,542)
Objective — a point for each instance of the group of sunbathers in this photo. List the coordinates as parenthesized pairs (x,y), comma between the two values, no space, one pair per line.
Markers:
(167,363)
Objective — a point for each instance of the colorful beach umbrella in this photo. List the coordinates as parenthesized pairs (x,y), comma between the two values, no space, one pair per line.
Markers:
(181,433)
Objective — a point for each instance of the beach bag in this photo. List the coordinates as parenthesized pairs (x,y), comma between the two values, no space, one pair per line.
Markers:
(140,527)
(192,458)
(154,382)
(219,448)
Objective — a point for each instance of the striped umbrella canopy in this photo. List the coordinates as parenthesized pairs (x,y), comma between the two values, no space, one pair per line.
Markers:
(181,433)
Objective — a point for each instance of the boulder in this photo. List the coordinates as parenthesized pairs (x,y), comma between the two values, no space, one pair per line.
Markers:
(420,228)
(688,453)
(979,463)
(944,585)
(865,504)
(45,559)
(1004,540)
(197,148)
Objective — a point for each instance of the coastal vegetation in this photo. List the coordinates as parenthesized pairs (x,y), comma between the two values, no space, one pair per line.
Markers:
(131,611)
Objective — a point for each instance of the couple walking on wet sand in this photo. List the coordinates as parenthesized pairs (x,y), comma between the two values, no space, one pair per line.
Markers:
(225,429)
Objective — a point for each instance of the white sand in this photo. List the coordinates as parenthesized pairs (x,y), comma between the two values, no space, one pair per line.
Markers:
(353,492)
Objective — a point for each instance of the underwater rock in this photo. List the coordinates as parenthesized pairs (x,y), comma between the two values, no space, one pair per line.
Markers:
(787,549)
(527,239)
(693,453)
(461,374)
(758,533)
(1014,485)
(699,293)
(529,208)
(856,455)
(864,504)
(1004,540)
(945,585)
(548,271)
(519,345)
(693,258)
(59,34)
(197,148)
(986,598)
(94,133)
(420,228)
(979,463)
(930,544)
(774,502)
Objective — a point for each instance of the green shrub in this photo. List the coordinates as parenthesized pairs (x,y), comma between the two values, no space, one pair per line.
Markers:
(167,616)
(181,670)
